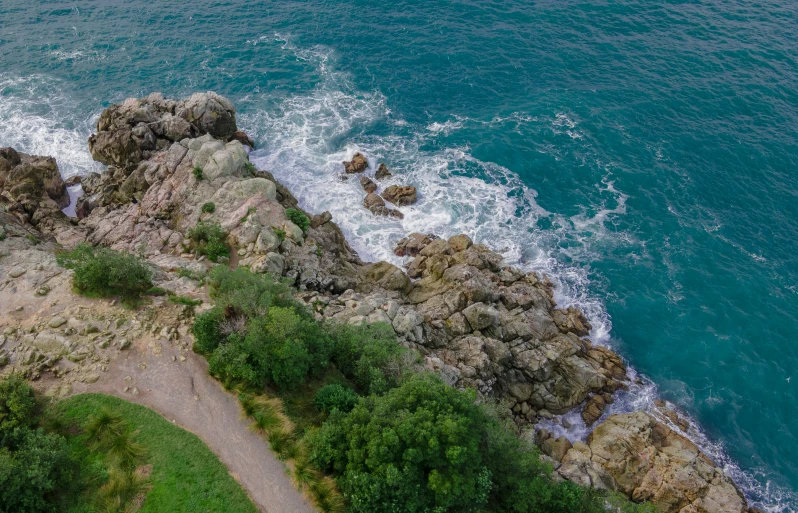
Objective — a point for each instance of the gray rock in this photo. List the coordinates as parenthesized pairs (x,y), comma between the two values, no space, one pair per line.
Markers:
(481,316)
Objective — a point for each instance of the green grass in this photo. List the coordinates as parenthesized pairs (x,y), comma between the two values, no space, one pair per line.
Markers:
(186,475)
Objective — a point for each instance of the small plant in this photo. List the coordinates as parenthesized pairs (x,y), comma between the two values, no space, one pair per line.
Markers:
(280,234)
(104,272)
(197,172)
(33,239)
(209,208)
(209,240)
(250,168)
(192,275)
(183,300)
(156,291)
(298,218)
(335,397)
(250,211)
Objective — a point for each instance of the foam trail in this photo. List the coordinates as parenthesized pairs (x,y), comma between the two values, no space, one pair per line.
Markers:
(305,138)
(36,117)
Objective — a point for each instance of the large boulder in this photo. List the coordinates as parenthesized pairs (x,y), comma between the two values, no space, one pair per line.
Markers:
(358,164)
(31,181)
(210,113)
(648,461)
(400,195)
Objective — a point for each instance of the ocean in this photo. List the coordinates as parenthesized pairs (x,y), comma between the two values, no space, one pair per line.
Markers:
(642,154)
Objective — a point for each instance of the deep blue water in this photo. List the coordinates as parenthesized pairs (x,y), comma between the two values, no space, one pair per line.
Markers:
(644,154)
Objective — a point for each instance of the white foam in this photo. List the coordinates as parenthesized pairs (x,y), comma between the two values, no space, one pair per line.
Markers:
(307,136)
(37,117)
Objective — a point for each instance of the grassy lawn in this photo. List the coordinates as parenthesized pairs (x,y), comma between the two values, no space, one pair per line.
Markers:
(186,475)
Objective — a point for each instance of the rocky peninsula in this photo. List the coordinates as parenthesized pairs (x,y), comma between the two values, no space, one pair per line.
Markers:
(476,321)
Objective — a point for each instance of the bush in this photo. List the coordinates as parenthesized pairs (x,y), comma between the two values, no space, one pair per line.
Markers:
(34,472)
(280,234)
(414,449)
(209,239)
(104,272)
(17,406)
(370,356)
(335,397)
(197,172)
(250,168)
(205,329)
(298,218)
(209,207)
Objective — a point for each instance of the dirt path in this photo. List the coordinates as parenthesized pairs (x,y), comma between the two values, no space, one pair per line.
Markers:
(184,393)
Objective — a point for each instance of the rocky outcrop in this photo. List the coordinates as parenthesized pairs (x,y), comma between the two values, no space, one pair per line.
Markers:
(400,195)
(476,321)
(382,172)
(358,164)
(644,458)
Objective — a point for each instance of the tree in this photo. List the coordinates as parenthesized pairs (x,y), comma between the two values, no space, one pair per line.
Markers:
(414,449)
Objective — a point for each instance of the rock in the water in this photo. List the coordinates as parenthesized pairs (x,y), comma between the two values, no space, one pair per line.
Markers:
(368,184)
(400,195)
(376,205)
(413,244)
(358,164)
(382,172)
(593,409)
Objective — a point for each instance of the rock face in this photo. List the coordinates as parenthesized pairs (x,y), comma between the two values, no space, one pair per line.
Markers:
(358,164)
(400,195)
(376,205)
(368,184)
(643,458)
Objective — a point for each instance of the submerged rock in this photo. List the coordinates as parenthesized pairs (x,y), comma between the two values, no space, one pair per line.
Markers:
(368,184)
(382,172)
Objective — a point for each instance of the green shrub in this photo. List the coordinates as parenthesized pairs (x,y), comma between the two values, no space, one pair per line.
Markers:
(209,207)
(298,218)
(183,300)
(242,292)
(250,168)
(209,239)
(32,474)
(370,356)
(17,405)
(207,335)
(104,272)
(280,234)
(197,172)
(335,397)
(414,449)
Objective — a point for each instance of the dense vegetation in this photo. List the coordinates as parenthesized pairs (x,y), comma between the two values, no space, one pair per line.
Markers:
(94,453)
(359,409)
(103,272)
(298,218)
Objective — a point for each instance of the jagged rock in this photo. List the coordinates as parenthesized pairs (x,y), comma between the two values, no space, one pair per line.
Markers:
(386,276)
(572,320)
(413,244)
(32,181)
(481,316)
(376,206)
(368,185)
(358,164)
(210,113)
(593,409)
(648,461)
(382,172)
(460,243)
(400,195)
(243,138)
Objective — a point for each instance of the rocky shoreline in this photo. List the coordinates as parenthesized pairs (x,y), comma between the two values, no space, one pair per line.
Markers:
(475,321)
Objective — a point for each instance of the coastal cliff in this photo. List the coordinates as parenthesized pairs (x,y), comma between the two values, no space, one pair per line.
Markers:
(475,321)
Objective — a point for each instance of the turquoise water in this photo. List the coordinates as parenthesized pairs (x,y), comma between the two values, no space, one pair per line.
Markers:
(644,154)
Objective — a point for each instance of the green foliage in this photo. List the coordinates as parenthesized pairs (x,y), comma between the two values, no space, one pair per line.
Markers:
(156,291)
(33,239)
(33,472)
(335,397)
(183,300)
(416,448)
(105,272)
(209,207)
(17,405)
(370,356)
(207,335)
(209,239)
(197,172)
(242,292)
(280,234)
(250,168)
(298,218)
